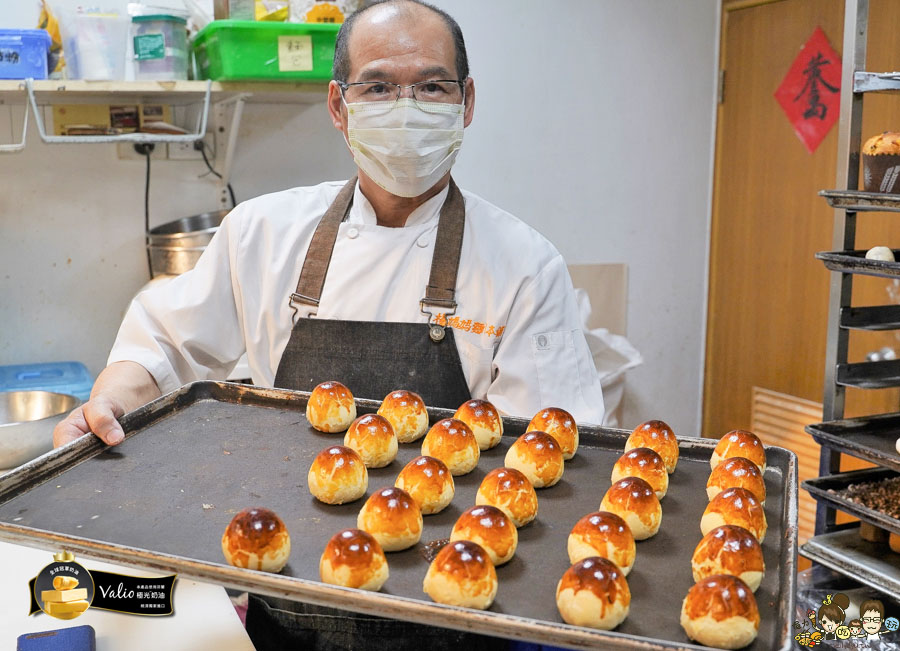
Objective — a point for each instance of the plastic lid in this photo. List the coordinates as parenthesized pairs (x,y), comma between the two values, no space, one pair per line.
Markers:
(144,19)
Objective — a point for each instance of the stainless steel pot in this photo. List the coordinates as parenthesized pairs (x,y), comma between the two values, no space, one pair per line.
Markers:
(176,246)
(27,419)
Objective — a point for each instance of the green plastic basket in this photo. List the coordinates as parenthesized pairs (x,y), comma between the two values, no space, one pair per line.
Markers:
(246,50)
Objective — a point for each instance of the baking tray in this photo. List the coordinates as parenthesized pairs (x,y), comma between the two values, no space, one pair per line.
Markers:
(821,487)
(859,201)
(855,262)
(231,446)
(872,438)
(873,564)
(869,375)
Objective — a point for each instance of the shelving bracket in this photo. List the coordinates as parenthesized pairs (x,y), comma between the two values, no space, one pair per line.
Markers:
(227,130)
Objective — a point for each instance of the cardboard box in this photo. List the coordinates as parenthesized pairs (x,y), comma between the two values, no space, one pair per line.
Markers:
(106,119)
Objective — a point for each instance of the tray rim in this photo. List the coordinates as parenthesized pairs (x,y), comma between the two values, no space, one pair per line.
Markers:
(841,261)
(836,441)
(59,460)
(812,486)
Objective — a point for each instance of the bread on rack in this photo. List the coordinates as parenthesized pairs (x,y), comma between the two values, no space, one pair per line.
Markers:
(634,500)
(594,593)
(373,439)
(354,559)
(559,424)
(489,527)
(337,475)
(484,421)
(737,472)
(451,441)
(657,436)
(739,443)
(736,506)
(429,482)
(729,549)
(720,611)
(602,534)
(331,407)
(257,539)
(511,492)
(536,455)
(462,574)
(646,464)
(406,413)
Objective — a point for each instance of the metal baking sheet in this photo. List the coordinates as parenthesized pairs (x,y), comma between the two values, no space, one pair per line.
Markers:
(231,446)
(821,487)
(873,564)
(872,438)
(855,262)
(858,201)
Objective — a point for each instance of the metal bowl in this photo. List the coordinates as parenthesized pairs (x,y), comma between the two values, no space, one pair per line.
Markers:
(27,419)
(176,246)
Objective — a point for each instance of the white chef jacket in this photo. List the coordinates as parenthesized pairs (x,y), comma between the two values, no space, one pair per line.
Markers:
(517,325)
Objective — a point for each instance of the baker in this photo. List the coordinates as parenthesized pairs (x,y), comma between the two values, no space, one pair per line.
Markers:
(394,279)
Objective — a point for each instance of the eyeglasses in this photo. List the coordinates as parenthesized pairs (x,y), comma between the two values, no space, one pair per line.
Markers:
(443,91)
(871,619)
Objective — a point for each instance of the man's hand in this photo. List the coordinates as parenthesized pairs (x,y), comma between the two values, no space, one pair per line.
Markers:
(121,387)
(99,415)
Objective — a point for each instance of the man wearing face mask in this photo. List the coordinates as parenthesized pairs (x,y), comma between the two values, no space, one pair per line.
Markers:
(395,280)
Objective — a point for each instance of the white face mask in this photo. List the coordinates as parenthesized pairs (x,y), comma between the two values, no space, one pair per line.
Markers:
(404,146)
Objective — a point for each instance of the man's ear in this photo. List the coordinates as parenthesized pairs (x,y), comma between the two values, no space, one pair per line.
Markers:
(335,105)
(470,102)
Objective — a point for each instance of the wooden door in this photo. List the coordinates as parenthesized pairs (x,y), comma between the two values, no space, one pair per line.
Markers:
(768,296)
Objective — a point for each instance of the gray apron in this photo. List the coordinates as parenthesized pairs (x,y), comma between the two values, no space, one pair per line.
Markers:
(372,359)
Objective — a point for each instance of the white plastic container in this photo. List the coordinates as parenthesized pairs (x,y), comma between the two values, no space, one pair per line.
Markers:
(160,47)
(94,45)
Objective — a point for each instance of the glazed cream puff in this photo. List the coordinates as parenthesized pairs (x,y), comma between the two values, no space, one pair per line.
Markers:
(429,482)
(657,436)
(257,539)
(511,492)
(729,549)
(536,455)
(338,475)
(740,443)
(594,593)
(373,439)
(354,559)
(462,574)
(720,611)
(736,506)
(406,413)
(393,518)
(559,424)
(331,407)
(484,421)
(646,464)
(634,500)
(451,441)
(489,527)
(602,534)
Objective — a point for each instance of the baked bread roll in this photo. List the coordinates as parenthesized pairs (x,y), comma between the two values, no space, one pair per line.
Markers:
(406,413)
(657,436)
(353,559)
(373,439)
(646,464)
(894,542)
(462,574)
(484,421)
(737,472)
(884,143)
(739,443)
(331,407)
(392,517)
(634,500)
(511,492)
(602,534)
(720,611)
(559,424)
(489,527)
(257,539)
(735,506)
(538,456)
(729,549)
(451,441)
(594,593)
(429,482)
(338,475)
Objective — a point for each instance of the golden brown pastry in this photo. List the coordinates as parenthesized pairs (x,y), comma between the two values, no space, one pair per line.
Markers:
(511,492)
(338,475)
(739,443)
(484,421)
(559,424)
(257,539)
(406,413)
(737,472)
(657,436)
(451,441)
(720,611)
(354,559)
(331,407)
(373,439)
(634,500)
(429,482)
(646,464)
(594,593)
(538,456)
(894,542)
(884,143)
(602,534)
(729,549)
(462,574)
(489,527)
(393,518)
(735,506)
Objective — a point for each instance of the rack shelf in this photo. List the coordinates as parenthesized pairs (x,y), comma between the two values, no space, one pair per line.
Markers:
(876,82)
(855,262)
(871,438)
(822,487)
(859,201)
(844,551)
(876,317)
(869,375)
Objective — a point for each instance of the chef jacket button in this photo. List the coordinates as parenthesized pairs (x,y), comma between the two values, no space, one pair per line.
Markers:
(542,341)
(422,242)
(353,233)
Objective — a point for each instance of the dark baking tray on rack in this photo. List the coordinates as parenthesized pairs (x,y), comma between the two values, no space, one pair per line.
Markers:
(855,262)
(821,488)
(872,438)
(873,564)
(193,458)
(859,201)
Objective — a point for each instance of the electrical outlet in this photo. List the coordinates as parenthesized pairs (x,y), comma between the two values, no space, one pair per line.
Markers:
(187,150)
(125,151)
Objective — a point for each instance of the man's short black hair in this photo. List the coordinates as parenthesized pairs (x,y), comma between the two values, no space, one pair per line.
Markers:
(341,69)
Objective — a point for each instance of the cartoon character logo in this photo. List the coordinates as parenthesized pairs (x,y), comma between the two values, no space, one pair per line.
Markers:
(828,622)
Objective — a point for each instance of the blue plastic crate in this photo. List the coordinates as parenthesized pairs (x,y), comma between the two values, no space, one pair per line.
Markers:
(23,53)
(60,377)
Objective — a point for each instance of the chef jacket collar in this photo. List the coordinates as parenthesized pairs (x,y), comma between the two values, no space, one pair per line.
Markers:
(361,212)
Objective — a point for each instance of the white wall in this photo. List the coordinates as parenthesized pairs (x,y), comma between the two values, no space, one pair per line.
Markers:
(593,124)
